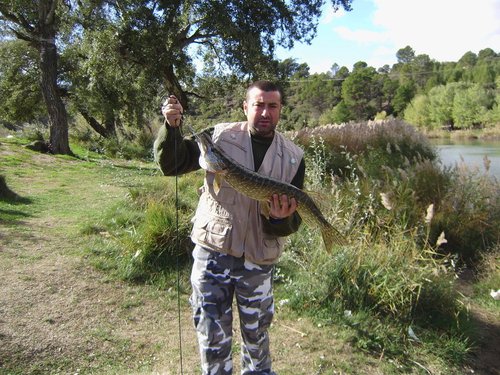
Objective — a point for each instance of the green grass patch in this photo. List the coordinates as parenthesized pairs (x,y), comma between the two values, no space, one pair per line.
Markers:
(146,238)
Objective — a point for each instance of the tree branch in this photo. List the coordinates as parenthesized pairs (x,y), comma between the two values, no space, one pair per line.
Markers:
(27,38)
(49,19)
(17,19)
(184,41)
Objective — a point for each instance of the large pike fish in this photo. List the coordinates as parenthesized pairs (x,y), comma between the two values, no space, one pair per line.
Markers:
(261,188)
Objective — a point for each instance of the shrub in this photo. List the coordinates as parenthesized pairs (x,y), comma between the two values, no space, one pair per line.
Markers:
(470,214)
(147,238)
(401,212)
(158,246)
(375,144)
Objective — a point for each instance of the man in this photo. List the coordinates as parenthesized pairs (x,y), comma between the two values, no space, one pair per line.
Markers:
(236,247)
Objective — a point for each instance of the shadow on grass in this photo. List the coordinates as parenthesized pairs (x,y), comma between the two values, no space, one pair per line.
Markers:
(9,196)
(16,200)
(13,217)
(8,215)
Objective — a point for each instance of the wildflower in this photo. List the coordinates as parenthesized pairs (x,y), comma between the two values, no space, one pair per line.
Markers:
(430,213)
(441,239)
(386,202)
(495,295)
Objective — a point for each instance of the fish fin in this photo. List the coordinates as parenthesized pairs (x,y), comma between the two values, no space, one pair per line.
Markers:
(320,199)
(217,183)
(332,237)
(265,210)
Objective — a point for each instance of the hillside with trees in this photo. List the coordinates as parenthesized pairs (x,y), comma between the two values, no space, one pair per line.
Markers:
(110,65)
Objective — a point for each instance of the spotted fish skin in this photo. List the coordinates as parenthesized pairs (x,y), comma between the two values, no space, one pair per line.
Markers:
(261,188)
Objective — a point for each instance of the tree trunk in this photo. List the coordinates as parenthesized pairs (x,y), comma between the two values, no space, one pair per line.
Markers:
(174,87)
(104,131)
(59,138)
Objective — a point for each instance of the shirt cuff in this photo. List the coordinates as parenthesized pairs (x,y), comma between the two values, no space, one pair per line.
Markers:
(272,220)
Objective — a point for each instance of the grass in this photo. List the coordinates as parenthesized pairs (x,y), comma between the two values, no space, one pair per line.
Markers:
(391,284)
(56,198)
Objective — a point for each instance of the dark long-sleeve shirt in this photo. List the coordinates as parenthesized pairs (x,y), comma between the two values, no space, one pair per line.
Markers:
(171,147)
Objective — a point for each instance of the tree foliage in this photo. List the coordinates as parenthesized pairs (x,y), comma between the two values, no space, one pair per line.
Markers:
(360,90)
(120,58)
(117,61)
(19,85)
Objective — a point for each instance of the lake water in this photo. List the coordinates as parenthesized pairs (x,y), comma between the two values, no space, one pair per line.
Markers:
(472,152)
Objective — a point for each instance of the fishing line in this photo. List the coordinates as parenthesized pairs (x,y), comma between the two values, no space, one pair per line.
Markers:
(177,249)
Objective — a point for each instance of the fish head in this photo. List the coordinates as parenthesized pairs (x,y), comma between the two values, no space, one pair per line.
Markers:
(209,156)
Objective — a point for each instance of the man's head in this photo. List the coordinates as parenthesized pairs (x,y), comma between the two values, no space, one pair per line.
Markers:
(263,107)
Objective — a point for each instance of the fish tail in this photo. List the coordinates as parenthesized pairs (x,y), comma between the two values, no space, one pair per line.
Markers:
(332,237)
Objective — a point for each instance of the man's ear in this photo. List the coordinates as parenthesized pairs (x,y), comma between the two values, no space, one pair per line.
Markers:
(245,107)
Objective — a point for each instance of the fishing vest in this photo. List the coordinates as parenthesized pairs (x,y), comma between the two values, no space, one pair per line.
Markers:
(229,222)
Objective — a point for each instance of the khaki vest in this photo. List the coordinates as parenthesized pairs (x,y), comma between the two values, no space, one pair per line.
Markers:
(229,222)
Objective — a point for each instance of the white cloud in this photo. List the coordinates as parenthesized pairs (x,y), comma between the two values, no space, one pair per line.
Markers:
(381,56)
(320,66)
(360,35)
(443,29)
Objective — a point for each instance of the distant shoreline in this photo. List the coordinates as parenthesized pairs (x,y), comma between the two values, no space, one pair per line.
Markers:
(466,134)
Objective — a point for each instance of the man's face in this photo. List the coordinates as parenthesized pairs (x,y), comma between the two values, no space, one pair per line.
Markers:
(262,109)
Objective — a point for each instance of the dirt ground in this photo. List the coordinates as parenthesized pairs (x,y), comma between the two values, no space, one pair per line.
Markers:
(60,315)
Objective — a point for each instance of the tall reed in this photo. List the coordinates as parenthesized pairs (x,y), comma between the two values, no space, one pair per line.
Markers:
(389,199)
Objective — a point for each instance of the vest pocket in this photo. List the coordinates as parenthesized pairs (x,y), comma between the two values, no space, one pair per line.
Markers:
(272,248)
(227,195)
(213,232)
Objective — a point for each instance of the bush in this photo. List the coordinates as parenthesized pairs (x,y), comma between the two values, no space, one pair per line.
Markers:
(147,238)
(375,144)
(469,213)
(408,221)
(158,246)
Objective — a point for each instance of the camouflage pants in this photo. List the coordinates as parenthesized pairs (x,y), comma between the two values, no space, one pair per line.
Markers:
(215,279)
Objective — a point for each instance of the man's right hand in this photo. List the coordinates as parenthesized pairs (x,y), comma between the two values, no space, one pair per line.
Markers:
(172,110)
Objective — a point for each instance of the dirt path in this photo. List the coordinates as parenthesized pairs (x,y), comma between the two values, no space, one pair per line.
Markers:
(486,355)
(58,314)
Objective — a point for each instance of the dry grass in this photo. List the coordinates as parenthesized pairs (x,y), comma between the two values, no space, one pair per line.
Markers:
(357,136)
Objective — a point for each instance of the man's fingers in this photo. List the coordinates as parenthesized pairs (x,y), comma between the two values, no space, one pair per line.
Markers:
(172,99)
(172,110)
(282,206)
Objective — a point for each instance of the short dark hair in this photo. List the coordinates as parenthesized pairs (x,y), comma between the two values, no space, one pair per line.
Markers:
(265,86)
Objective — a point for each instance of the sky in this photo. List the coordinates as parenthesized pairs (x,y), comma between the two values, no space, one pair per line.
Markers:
(374,30)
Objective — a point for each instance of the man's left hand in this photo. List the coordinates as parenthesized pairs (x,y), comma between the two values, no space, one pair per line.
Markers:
(281,206)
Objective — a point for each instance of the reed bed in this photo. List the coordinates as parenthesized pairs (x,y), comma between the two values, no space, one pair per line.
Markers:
(413,226)
(357,137)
